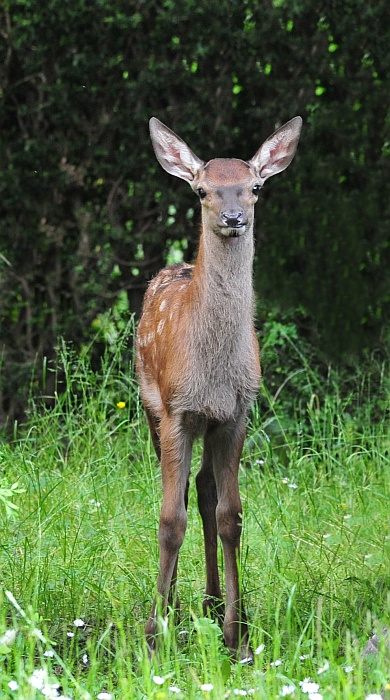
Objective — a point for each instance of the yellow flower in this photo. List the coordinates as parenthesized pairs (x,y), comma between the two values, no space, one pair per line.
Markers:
(121,404)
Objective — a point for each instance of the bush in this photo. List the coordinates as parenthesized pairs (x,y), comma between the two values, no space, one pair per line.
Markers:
(88,216)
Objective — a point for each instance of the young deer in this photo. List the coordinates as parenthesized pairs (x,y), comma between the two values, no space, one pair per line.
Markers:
(198,366)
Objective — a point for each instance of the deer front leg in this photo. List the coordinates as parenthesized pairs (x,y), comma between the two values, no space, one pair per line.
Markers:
(173,597)
(227,446)
(175,469)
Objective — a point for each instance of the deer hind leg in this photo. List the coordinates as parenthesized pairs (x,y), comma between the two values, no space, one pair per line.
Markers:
(227,443)
(176,448)
(207,504)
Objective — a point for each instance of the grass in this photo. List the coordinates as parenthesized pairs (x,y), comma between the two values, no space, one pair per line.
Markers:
(82,546)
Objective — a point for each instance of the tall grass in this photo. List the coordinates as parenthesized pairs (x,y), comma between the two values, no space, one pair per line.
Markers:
(82,547)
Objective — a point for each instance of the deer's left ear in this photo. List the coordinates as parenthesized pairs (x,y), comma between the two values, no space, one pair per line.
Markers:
(277,152)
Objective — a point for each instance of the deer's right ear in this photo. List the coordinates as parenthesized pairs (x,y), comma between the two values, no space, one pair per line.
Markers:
(172,153)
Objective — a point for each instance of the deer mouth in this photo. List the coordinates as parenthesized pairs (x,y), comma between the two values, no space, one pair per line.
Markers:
(232,232)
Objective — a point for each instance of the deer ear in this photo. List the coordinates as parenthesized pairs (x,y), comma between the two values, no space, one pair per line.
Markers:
(278,150)
(172,153)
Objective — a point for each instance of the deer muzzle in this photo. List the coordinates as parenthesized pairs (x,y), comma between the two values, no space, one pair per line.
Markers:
(232,223)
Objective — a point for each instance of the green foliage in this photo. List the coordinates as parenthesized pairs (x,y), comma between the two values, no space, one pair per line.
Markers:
(87,215)
(295,376)
(8,492)
(331,253)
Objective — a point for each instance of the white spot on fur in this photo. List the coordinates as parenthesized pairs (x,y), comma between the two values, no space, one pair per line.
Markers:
(160,326)
(144,340)
(154,286)
(163,304)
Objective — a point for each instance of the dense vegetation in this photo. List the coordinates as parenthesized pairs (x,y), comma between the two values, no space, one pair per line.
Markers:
(87,216)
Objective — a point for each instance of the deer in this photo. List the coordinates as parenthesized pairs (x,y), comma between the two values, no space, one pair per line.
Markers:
(198,364)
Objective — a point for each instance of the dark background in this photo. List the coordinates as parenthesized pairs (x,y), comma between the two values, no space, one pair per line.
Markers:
(87,216)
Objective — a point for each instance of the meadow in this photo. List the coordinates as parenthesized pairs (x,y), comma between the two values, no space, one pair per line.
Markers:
(79,507)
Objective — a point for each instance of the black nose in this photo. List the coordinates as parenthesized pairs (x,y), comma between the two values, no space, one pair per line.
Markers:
(232,218)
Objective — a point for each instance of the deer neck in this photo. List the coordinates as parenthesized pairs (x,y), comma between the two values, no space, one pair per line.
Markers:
(223,286)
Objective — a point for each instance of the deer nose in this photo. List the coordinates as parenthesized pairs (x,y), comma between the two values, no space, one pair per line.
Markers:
(233,217)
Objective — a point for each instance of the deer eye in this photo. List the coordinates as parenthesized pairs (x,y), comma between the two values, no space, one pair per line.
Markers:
(201,193)
(256,189)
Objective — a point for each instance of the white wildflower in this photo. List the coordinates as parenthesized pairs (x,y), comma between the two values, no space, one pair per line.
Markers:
(348,669)
(13,685)
(174,689)
(207,687)
(260,649)
(49,653)
(373,696)
(287,690)
(315,696)
(104,696)
(293,486)
(158,680)
(50,691)
(38,678)
(85,659)
(323,668)
(303,657)
(37,633)
(70,634)
(307,686)
(79,622)
(241,693)
(8,637)
(276,663)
